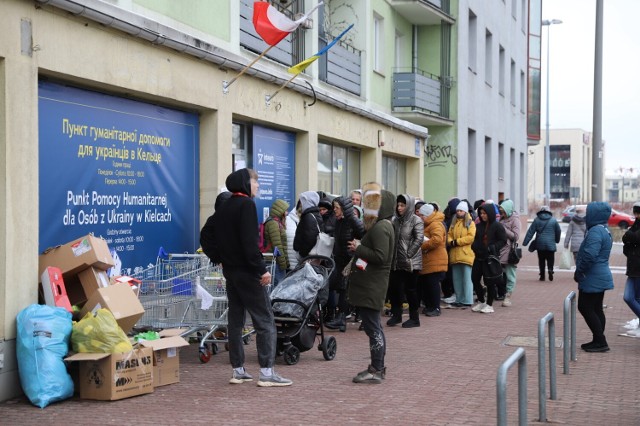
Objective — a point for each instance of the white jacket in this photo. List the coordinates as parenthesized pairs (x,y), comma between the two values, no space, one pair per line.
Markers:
(292,225)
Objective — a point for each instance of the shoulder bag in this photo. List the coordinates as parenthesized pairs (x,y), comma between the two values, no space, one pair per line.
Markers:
(515,254)
(324,244)
(533,245)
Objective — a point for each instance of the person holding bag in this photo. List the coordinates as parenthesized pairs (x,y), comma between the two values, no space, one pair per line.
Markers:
(547,232)
(575,232)
(510,219)
(489,240)
(310,226)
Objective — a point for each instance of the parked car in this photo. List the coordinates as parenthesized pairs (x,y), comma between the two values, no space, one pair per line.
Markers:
(621,220)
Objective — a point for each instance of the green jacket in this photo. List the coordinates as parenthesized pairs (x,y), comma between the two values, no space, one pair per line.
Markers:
(276,232)
(368,287)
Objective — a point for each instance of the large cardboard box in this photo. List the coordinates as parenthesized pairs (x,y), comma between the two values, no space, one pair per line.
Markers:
(166,359)
(92,278)
(77,255)
(109,377)
(120,300)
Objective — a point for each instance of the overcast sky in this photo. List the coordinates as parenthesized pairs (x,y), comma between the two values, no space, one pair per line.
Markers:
(572,46)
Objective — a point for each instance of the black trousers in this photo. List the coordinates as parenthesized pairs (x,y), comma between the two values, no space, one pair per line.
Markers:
(548,257)
(377,342)
(590,307)
(401,284)
(477,274)
(429,289)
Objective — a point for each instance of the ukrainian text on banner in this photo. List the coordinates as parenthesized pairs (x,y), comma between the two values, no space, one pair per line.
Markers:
(123,170)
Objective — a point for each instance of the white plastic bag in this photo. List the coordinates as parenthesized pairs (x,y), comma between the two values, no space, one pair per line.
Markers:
(566,259)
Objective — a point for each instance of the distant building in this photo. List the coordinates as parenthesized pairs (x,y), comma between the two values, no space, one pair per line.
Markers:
(621,185)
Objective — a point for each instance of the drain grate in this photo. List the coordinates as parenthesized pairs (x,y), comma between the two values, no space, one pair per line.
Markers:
(528,341)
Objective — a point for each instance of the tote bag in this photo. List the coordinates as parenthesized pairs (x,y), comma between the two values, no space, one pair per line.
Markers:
(324,244)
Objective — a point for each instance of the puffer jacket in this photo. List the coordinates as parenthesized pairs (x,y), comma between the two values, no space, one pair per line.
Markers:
(292,226)
(592,263)
(346,229)
(490,235)
(434,250)
(276,232)
(460,237)
(310,225)
(575,233)
(409,234)
(368,287)
(546,237)
(631,249)
(512,226)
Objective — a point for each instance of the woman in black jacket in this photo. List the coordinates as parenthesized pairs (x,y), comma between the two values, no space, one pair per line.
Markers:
(311,224)
(631,249)
(347,228)
(489,240)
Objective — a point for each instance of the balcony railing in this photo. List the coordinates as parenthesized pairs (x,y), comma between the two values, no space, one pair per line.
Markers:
(421,91)
(424,12)
(341,66)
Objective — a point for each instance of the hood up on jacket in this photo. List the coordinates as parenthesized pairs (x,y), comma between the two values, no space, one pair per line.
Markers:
(598,213)
(309,199)
(507,206)
(221,198)
(490,209)
(239,181)
(410,202)
(279,208)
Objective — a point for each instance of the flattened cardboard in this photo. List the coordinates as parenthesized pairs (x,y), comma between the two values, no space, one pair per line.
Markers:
(77,255)
(166,359)
(120,300)
(109,377)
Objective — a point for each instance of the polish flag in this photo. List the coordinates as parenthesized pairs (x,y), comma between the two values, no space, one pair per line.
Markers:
(272,25)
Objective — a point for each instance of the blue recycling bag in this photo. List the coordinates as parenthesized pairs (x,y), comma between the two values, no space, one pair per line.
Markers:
(41,345)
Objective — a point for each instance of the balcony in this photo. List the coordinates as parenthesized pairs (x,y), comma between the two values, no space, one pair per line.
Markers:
(341,66)
(421,98)
(423,12)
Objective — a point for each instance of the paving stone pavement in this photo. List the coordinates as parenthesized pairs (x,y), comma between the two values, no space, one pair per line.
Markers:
(443,373)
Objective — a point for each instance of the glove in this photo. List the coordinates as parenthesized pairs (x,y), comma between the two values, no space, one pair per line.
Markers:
(453,243)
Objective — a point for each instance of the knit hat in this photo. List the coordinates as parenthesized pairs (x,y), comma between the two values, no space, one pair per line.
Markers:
(463,206)
(545,209)
(426,210)
(636,207)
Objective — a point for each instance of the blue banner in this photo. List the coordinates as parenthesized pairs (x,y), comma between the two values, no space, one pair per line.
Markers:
(123,170)
(274,160)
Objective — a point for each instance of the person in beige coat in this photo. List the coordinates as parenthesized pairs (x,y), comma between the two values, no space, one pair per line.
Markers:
(462,232)
(435,261)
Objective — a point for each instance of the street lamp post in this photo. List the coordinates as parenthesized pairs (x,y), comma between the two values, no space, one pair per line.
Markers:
(547,150)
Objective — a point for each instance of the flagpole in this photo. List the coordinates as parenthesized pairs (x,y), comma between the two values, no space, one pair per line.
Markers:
(225,84)
(270,97)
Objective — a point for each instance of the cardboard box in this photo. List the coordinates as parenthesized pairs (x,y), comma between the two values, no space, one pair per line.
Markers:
(77,255)
(166,359)
(120,300)
(110,377)
(91,279)
(55,293)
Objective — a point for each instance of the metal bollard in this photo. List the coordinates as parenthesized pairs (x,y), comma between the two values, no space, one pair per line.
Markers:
(570,301)
(501,385)
(542,394)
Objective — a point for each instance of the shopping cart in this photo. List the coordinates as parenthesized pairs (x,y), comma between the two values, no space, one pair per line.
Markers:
(187,291)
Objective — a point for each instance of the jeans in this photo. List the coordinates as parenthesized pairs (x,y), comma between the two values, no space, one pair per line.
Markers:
(245,294)
(462,284)
(590,306)
(373,329)
(632,294)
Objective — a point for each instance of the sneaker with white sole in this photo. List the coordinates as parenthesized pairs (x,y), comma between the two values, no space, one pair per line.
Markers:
(507,300)
(479,307)
(451,299)
(273,380)
(238,378)
(488,309)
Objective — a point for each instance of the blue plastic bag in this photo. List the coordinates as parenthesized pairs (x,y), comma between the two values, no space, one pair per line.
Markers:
(41,345)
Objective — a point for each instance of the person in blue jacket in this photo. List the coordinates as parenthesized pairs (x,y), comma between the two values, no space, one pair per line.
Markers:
(547,232)
(593,274)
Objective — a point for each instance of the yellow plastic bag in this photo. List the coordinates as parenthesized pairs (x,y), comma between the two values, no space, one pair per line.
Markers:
(99,333)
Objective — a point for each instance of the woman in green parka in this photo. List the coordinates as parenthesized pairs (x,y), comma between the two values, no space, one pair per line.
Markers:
(369,277)
(276,234)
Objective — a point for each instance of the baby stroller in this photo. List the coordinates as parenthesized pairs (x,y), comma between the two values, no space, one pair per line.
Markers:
(297,307)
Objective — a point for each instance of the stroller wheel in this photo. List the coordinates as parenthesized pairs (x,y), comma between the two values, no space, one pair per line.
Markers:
(292,355)
(204,355)
(329,348)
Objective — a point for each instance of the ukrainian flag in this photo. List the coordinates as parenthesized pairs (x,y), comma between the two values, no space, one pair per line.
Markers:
(298,68)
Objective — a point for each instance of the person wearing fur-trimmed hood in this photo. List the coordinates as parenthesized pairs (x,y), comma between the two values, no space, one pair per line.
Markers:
(369,276)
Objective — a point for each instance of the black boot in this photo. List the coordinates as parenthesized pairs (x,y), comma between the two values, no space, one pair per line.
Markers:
(413,321)
(339,323)
(394,320)
(541,276)
(550,275)
(599,345)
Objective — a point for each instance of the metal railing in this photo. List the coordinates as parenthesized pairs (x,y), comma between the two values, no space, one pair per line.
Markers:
(542,380)
(501,384)
(569,303)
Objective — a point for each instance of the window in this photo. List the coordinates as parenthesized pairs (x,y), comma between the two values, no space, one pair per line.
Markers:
(522,91)
(501,71)
(338,169)
(398,50)
(512,83)
(514,9)
(488,168)
(473,45)
(394,174)
(523,15)
(471,154)
(378,43)
(501,160)
(488,58)
(240,137)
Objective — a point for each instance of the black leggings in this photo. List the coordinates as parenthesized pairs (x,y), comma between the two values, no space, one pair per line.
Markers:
(548,257)
(590,306)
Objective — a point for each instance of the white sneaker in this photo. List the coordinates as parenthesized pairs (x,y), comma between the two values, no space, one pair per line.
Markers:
(507,300)
(451,299)
(487,309)
(634,332)
(479,307)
